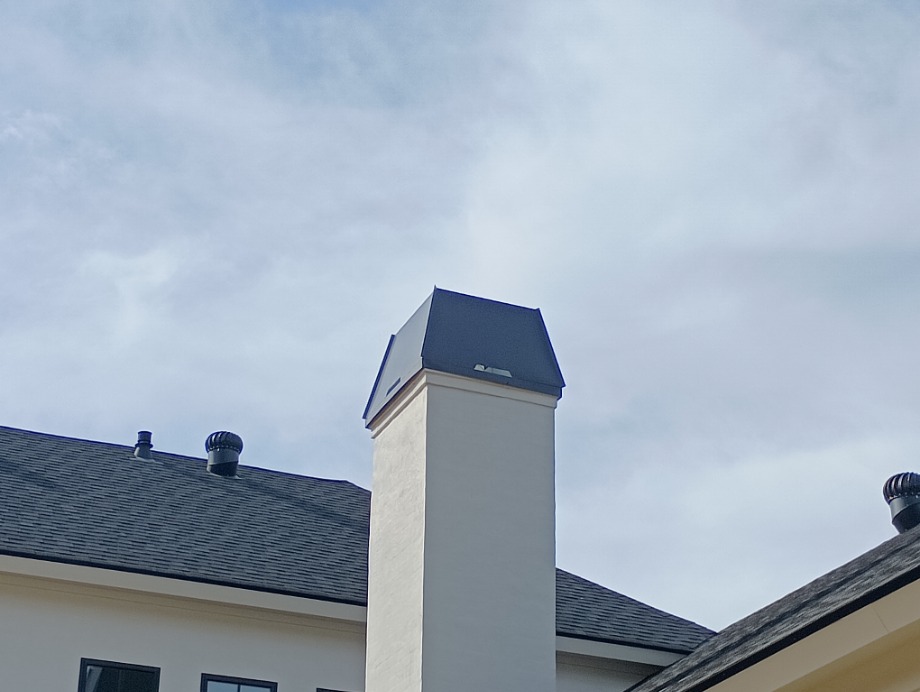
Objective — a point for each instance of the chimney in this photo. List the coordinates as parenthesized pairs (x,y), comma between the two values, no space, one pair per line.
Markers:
(902,493)
(143,445)
(223,450)
(461,583)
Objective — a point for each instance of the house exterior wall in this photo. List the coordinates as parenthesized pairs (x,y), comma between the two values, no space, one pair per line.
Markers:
(890,665)
(589,674)
(47,626)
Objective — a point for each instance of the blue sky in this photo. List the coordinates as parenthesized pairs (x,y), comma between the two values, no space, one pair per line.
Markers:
(214,215)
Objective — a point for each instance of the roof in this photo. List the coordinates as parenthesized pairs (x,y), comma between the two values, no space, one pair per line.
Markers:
(869,577)
(590,611)
(474,337)
(95,504)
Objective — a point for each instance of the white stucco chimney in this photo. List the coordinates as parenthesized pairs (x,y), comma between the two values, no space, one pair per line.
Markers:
(461,585)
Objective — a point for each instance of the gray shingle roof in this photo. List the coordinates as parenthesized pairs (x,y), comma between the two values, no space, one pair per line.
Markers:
(869,577)
(590,611)
(95,504)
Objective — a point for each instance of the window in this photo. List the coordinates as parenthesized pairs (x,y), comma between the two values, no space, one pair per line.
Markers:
(222,683)
(107,676)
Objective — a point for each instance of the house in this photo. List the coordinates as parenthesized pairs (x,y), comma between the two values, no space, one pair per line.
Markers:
(855,628)
(124,568)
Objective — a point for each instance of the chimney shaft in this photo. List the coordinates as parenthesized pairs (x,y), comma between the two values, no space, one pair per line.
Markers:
(461,585)
(223,450)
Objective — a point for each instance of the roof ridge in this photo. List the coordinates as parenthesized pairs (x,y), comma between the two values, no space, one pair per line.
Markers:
(63,437)
(174,455)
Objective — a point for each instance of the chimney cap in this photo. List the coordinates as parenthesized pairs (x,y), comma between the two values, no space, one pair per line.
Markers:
(224,439)
(472,337)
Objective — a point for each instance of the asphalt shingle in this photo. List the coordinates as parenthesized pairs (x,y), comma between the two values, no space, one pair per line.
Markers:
(93,503)
(838,593)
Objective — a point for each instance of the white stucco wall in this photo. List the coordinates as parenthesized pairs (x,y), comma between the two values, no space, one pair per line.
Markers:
(397,510)
(48,623)
(588,674)
(490,576)
(47,626)
(462,554)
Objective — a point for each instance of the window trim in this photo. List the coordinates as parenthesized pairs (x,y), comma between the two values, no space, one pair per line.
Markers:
(212,677)
(86,662)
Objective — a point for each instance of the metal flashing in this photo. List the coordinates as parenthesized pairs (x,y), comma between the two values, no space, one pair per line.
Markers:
(472,337)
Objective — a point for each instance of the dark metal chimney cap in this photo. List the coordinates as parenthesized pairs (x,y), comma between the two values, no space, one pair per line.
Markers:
(902,493)
(472,337)
(224,440)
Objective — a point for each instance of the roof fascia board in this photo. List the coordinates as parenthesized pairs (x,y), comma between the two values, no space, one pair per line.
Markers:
(618,652)
(837,640)
(166,586)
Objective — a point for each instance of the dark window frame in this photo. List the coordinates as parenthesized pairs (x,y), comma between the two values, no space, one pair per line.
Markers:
(99,663)
(212,677)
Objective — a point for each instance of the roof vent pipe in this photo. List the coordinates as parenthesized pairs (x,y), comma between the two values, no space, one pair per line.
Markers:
(144,444)
(224,450)
(902,493)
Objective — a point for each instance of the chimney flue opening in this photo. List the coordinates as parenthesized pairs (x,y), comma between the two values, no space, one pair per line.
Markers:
(902,493)
(143,445)
(223,450)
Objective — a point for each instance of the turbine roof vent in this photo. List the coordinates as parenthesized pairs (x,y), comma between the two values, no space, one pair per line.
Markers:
(902,493)
(223,450)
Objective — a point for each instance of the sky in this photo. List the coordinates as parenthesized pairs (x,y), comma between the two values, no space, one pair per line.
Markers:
(213,215)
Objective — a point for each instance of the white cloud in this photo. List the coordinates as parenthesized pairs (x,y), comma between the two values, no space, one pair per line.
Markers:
(214,218)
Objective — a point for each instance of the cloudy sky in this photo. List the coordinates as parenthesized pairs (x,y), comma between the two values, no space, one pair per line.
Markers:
(214,214)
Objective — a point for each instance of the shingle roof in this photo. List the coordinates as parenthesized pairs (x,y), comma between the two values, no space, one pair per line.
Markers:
(95,504)
(838,593)
(590,611)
